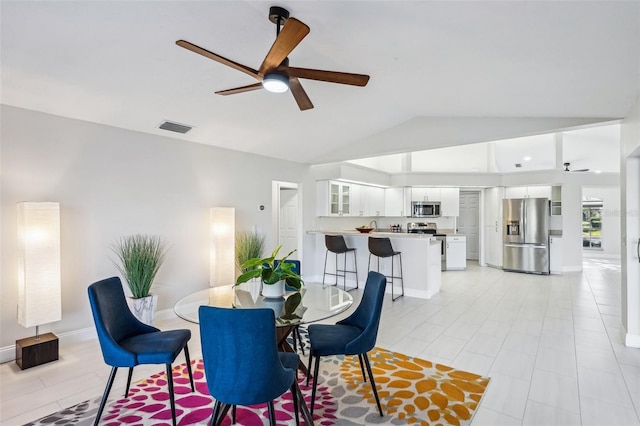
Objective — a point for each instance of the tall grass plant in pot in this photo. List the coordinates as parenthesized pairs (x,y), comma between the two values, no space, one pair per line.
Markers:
(139,259)
(249,245)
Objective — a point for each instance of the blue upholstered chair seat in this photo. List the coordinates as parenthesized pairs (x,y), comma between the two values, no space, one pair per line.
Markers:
(332,339)
(289,360)
(161,347)
(354,335)
(127,342)
(242,364)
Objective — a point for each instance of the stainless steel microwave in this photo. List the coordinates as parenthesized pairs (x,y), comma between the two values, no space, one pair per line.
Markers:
(425,209)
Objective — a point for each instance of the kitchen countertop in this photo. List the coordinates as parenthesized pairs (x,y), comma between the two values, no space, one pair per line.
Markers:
(388,234)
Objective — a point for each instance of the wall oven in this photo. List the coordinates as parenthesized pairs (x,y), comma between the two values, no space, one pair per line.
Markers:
(425,208)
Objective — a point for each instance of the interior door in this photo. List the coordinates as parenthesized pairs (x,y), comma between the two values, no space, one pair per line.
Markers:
(288,229)
(469,222)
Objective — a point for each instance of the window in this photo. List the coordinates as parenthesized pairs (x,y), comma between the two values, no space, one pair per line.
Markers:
(592,224)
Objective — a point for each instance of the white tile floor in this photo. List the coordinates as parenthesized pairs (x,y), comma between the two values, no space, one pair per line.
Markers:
(551,345)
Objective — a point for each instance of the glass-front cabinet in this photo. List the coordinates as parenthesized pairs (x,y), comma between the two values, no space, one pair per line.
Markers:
(333,198)
(339,196)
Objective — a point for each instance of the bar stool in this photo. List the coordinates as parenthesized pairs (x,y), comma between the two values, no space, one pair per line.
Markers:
(336,244)
(381,247)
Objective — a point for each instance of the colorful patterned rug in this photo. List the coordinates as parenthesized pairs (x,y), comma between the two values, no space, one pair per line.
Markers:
(411,390)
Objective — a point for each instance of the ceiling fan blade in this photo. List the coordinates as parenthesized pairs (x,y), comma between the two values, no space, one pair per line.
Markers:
(228,62)
(329,76)
(242,89)
(580,170)
(304,103)
(292,33)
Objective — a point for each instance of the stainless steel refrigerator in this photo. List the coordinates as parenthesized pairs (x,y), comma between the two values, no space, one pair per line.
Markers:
(526,235)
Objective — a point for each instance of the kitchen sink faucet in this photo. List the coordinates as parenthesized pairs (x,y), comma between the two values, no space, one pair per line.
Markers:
(373,222)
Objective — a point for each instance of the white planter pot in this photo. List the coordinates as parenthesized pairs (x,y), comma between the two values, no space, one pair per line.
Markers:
(144,308)
(273,291)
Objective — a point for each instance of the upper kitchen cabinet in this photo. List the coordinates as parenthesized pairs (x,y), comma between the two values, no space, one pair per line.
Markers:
(449,198)
(425,194)
(450,201)
(537,191)
(397,202)
(333,198)
(366,200)
(348,199)
(376,205)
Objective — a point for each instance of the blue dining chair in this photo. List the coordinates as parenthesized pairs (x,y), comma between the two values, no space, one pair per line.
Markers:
(127,342)
(354,335)
(242,364)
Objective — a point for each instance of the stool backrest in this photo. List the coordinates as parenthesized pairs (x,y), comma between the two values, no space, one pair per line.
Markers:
(335,243)
(381,247)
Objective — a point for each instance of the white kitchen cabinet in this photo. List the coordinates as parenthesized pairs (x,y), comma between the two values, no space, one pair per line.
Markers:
(534,191)
(358,200)
(425,194)
(492,226)
(333,198)
(555,254)
(456,252)
(450,201)
(556,201)
(397,202)
(376,201)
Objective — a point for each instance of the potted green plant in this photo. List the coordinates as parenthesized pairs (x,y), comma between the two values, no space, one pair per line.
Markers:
(273,272)
(139,259)
(249,245)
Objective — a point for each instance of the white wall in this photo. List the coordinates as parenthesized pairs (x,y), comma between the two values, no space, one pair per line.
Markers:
(112,182)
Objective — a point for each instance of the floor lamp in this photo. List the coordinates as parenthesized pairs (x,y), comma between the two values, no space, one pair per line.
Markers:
(223,243)
(39,282)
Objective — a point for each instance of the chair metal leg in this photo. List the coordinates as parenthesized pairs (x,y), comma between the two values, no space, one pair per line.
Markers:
(272,414)
(105,395)
(393,277)
(325,266)
(315,383)
(294,397)
(310,372)
(186,356)
(306,414)
(171,396)
(220,410)
(361,362)
(233,414)
(373,383)
(355,264)
(126,392)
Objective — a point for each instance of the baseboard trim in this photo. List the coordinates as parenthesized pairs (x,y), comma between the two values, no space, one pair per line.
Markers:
(631,340)
(8,353)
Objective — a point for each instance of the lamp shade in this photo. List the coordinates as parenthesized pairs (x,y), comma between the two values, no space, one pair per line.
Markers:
(39,282)
(223,241)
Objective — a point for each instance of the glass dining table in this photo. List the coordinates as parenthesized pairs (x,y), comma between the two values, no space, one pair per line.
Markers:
(316,303)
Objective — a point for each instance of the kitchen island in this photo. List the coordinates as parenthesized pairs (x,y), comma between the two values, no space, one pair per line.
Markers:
(420,260)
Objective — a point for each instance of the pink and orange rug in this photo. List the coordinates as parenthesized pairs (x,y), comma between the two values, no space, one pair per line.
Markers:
(411,390)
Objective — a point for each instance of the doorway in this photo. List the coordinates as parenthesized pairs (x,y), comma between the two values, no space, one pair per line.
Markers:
(469,222)
(287,217)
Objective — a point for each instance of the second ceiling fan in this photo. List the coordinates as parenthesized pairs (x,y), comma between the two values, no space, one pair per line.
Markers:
(275,74)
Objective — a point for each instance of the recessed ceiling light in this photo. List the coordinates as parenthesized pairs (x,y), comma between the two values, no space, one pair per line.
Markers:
(598,171)
(527,158)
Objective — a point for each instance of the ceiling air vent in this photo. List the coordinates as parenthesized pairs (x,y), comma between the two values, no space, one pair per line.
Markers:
(175,127)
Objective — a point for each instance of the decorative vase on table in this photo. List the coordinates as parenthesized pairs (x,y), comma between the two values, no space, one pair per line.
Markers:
(140,257)
(273,291)
(144,308)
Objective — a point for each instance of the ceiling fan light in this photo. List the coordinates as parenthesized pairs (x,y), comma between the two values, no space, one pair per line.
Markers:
(275,82)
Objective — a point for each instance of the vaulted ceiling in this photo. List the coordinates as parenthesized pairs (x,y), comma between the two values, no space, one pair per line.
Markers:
(443,73)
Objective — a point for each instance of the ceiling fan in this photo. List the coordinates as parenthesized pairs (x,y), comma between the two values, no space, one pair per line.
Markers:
(275,74)
(566,168)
